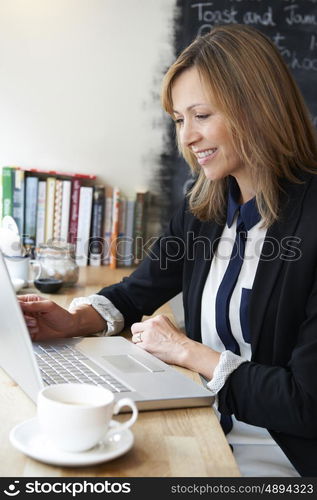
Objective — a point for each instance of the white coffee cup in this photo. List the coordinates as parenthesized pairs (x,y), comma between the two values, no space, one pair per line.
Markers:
(76,417)
(18,267)
(22,268)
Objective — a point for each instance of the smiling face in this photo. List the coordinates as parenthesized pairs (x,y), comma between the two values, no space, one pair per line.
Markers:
(202,129)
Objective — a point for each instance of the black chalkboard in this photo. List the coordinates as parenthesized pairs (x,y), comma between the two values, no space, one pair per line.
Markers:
(291,24)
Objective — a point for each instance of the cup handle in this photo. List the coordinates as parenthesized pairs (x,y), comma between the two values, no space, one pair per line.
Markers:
(35,270)
(125,425)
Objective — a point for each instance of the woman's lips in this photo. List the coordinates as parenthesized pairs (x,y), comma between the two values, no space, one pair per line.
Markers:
(204,157)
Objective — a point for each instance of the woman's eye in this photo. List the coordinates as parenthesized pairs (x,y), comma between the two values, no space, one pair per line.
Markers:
(178,121)
(202,117)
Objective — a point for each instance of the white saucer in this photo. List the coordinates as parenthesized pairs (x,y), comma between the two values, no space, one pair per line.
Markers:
(27,438)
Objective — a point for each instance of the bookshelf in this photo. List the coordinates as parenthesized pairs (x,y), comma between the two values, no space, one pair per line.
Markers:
(105,227)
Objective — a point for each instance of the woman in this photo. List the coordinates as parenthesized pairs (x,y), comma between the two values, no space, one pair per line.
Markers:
(241,249)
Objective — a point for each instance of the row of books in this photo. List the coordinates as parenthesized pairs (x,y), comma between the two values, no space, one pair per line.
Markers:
(105,227)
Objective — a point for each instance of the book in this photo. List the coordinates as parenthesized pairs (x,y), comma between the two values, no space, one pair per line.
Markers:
(58,209)
(40,217)
(7,191)
(57,173)
(18,198)
(121,230)
(107,225)
(129,234)
(83,227)
(49,209)
(114,228)
(66,197)
(97,223)
(140,225)
(30,214)
(74,207)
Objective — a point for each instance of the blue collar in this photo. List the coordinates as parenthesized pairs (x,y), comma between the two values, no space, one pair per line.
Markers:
(248,211)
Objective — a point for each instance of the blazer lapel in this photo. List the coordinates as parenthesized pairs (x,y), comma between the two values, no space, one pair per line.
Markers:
(270,262)
(204,251)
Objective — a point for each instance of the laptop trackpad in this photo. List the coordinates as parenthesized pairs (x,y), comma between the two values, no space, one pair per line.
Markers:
(133,364)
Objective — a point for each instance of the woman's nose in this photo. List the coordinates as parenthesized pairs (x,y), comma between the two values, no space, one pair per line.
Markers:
(188,134)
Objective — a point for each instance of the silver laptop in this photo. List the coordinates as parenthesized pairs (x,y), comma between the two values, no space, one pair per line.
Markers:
(113,362)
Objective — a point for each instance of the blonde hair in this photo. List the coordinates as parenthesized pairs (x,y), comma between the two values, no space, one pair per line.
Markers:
(267,117)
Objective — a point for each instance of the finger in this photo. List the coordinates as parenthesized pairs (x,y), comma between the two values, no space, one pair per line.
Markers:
(37,306)
(34,332)
(137,327)
(161,319)
(31,322)
(137,338)
(30,297)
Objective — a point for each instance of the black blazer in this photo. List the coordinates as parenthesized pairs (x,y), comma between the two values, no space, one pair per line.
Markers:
(277,389)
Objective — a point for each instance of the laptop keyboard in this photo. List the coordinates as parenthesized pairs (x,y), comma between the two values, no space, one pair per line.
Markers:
(60,364)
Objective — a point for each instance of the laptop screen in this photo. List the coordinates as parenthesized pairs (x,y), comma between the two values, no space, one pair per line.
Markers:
(16,352)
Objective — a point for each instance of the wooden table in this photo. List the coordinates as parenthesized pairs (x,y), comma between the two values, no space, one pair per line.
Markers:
(178,443)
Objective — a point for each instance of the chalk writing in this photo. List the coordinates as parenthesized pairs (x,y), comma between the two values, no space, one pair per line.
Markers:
(274,14)
(292,58)
(265,19)
(313,42)
(297,18)
(225,16)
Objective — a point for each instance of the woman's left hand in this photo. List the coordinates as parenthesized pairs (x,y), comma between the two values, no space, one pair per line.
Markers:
(160,337)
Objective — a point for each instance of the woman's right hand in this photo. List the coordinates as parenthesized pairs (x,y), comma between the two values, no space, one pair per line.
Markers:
(45,319)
